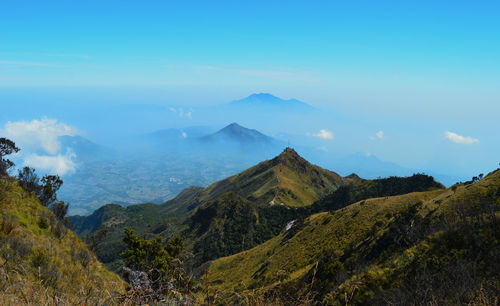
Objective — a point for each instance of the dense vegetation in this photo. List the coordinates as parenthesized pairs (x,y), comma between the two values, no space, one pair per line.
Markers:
(231,224)
(155,271)
(434,247)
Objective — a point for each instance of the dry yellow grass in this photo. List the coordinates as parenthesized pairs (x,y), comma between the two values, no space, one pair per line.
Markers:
(42,262)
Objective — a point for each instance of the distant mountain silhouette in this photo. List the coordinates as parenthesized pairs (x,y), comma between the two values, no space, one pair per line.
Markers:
(82,147)
(236,133)
(266,101)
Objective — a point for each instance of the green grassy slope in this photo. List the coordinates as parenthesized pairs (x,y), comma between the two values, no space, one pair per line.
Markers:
(242,211)
(439,246)
(42,262)
(287,179)
(296,250)
(230,224)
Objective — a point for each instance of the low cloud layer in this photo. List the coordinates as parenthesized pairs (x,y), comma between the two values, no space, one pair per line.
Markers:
(37,134)
(55,164)
(456,138)
(324,134)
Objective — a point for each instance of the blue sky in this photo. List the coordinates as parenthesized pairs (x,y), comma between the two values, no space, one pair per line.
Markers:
(436,45)
(432,65)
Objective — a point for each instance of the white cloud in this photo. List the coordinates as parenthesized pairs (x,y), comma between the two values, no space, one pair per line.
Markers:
(324,134)
(181,112)
(56,164)
(378,135)
(453,137)
(37,134)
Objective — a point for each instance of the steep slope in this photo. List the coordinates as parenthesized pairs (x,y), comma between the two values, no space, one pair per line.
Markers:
(287,179)
(296,250)
(112,215)
(241,211)
(108,223)
(231,223)
(42,262)
(438,246)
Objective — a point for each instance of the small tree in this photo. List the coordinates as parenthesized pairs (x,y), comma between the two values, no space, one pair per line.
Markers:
(7,147)
(145,255)
(48,194)
(29,181)
(161,264)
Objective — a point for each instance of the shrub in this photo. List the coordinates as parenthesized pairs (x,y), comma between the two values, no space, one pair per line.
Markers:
(82,256)
(60,209)
(8,223)
(39,258)
(3,191)
(154,270)
(59,230)
(43,222)
(49,275)
(20,247)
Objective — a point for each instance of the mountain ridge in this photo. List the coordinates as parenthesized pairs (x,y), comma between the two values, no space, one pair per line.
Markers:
(396,248)
(285,181)
(243,210)
(282,177)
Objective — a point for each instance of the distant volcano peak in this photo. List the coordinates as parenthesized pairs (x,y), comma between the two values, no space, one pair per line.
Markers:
(263,96)
(233,126)
(269,101)
(235,132)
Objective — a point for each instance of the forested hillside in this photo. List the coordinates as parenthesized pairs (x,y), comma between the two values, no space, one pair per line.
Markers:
(438,246)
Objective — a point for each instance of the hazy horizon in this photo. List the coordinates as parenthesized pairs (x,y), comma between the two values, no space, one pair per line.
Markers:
(412,84)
